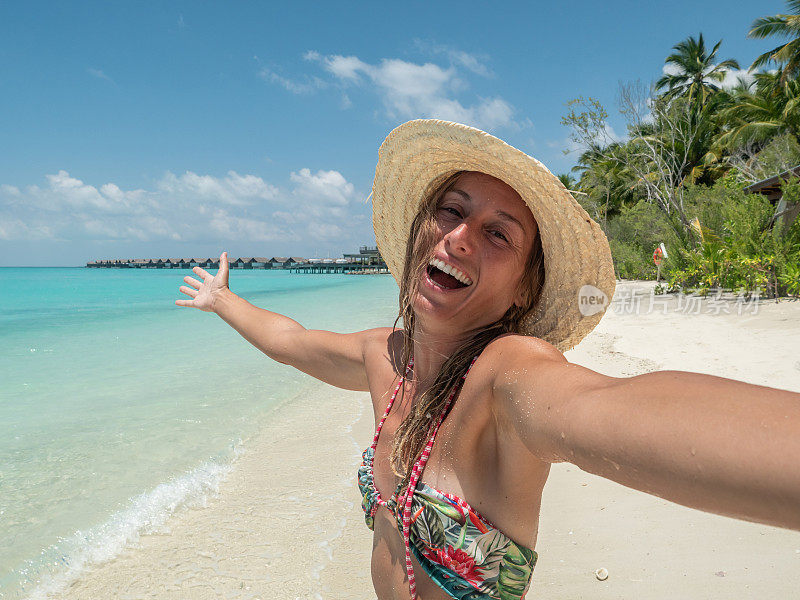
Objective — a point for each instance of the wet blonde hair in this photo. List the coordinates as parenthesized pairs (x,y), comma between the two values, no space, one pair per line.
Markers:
(413,432)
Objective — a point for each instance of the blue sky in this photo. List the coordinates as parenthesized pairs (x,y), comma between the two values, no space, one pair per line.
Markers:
(157,129)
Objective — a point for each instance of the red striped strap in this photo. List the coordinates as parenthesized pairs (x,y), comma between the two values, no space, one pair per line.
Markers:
(379,501)
(416,473)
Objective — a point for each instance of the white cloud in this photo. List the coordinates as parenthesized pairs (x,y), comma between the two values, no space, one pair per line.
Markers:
(326,187)
(469,61)
(325,231)
(99,74)
(233,189)
(190,207)
(15,229)
(409,89)
(309,85)
(344,67)
(733,77)
(232,227)
(66,192)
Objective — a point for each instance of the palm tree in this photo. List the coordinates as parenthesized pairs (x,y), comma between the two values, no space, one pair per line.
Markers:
(696,75)
(787,54)
(755,116)
(605,179)
(568,180)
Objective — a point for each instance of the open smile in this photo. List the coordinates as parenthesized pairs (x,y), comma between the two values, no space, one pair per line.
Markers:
(445,278)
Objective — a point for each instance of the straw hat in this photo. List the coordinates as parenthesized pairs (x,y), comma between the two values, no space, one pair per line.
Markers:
(418,156)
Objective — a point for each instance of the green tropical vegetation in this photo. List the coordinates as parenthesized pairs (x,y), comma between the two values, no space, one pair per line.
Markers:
(694,142)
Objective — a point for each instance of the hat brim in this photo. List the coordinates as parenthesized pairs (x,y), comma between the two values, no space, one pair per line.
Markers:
(418,156)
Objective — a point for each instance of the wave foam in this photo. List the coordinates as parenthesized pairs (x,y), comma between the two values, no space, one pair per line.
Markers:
(61,564)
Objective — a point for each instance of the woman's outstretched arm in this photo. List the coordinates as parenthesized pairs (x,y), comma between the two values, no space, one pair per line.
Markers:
(711,443)
(335,358)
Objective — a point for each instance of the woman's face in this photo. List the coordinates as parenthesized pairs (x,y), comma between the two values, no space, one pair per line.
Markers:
(485,231)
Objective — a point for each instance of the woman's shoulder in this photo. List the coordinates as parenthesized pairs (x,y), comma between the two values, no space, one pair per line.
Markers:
(509,355)
(511,347)
(383,348)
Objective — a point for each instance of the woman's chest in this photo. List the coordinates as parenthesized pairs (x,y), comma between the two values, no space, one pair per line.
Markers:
(461,453)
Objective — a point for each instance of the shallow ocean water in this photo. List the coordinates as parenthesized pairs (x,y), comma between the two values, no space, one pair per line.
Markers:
(118,407)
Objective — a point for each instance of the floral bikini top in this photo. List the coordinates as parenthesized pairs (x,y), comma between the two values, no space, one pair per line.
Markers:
(467,556)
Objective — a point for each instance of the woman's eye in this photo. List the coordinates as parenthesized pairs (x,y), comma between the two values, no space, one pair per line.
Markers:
(500,235)
(451,210)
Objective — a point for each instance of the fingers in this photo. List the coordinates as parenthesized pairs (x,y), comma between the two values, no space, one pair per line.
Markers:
(184,302)
(188,291)
(193,282)
(202,272)
(223,267)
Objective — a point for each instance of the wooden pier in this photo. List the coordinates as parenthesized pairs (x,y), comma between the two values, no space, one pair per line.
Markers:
(346,268)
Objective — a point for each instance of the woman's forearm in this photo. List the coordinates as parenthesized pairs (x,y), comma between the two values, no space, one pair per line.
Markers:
(260,327)
(707,442)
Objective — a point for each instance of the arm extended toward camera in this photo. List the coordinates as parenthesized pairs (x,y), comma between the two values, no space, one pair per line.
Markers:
(335,358)
(706,442)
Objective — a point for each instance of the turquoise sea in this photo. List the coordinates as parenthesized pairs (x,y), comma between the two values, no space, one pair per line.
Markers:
(118,407)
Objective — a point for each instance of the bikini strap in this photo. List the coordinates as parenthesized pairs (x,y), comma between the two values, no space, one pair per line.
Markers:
(391,401)
(416,473)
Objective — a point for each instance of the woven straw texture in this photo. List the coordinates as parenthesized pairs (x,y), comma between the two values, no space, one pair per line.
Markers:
(419,155)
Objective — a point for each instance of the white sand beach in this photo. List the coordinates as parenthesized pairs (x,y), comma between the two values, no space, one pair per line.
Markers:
(287,524)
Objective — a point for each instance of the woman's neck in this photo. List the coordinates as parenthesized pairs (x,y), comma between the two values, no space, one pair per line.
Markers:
(430,351)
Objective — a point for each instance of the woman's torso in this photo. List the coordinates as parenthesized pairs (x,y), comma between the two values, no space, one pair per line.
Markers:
(495,474)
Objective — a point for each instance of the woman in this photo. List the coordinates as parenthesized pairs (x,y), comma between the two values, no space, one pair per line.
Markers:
(500,270)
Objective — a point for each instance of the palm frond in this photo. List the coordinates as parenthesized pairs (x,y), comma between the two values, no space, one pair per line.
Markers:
(766,58)
(786,52)
(767,26)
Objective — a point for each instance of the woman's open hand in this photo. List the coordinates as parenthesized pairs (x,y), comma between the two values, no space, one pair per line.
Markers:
(204,293)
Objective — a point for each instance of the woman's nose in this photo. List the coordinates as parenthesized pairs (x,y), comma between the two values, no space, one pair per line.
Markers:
(459,239)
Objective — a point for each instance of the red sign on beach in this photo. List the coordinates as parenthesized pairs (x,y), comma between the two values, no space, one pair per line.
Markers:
(657,256)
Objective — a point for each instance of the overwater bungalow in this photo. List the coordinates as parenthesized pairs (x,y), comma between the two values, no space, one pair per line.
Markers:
(245,262)
(278,262)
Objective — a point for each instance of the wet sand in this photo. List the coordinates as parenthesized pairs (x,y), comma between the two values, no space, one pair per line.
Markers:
(286,522)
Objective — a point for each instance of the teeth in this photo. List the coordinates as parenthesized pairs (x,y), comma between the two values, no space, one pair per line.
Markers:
(450,270)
